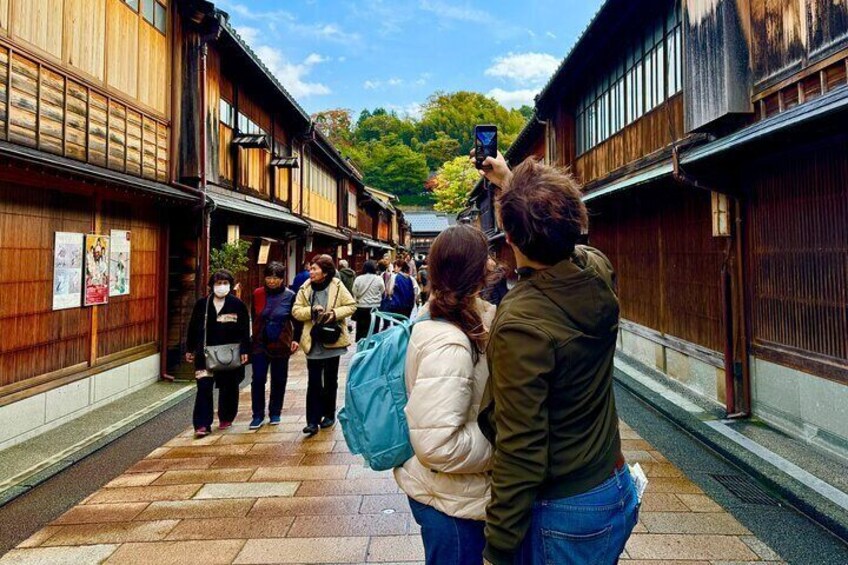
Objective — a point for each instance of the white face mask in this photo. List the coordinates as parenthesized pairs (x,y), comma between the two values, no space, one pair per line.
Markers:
(222,290)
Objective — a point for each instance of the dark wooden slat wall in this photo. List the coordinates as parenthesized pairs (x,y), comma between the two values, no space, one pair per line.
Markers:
(130,321)
(37,340)
(798,242)
(660,243)
(654,131)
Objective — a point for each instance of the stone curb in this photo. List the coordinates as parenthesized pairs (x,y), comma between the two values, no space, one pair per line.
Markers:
(36,475)
(801,497)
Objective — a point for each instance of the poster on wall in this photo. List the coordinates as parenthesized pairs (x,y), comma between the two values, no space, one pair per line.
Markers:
(119,263)
(67,270)
(96,269)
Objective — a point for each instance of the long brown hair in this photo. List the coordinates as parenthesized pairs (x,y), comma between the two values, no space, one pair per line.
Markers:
(457,265)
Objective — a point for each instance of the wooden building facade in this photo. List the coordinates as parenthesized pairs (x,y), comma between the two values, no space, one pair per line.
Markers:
(85,141)
(710,142)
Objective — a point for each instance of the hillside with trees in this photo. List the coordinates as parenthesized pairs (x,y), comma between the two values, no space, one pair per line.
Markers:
(423,161)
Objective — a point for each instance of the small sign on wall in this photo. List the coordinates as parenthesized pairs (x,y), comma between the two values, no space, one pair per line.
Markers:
(96,269)
(119,263)
(264,250)
(67,270)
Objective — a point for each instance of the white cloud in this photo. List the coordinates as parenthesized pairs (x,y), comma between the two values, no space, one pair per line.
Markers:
(448,11)
(413,110)
(249,34)
(551,34)
(395,81)
(371,84)
(293,76)
(524,68)
(514,98)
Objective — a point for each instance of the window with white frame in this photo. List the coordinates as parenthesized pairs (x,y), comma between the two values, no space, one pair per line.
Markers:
(648,74)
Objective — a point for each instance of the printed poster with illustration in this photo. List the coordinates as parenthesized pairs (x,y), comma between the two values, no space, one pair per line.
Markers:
(67,270)
(96,269)
(119,263)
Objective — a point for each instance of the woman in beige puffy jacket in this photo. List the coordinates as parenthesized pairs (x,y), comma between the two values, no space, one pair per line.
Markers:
(447,480)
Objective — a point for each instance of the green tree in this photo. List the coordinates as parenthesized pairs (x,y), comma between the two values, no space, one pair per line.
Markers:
(526,111)
(390,165)
(440,150)
(336,126)
(453,183)
(230,256)
(381,124)
(456,114)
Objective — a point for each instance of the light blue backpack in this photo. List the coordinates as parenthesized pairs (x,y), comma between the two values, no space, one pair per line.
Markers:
(372,418)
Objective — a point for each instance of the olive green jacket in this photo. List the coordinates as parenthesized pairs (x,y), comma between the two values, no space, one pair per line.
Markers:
(549,406)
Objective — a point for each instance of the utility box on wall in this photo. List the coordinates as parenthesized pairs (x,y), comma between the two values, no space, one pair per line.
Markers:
(717,63)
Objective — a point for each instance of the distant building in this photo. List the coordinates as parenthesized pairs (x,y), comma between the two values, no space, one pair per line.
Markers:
(425,226)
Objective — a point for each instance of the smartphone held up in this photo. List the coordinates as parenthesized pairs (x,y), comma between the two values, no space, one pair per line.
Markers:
(485,144)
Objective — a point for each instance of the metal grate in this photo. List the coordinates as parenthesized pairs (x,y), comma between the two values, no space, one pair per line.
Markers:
(745,490)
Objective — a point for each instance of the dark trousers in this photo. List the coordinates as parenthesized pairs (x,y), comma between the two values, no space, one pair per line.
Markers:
(362,317)
(448,540)
(321,389)
(279,377)
(228,393)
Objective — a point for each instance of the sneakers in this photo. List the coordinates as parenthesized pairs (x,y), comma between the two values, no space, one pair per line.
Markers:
(328,423)
(201,432)
(274,420)
(224,425)
(256,423)
(310,430)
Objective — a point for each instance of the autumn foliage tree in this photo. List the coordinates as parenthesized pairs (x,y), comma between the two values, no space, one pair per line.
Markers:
(453,184)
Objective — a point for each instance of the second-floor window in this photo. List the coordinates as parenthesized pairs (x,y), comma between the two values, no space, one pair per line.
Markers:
(227,114)
(248,126)
(649,73)
(154,12)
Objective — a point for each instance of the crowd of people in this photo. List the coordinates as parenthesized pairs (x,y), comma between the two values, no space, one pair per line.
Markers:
(512,417)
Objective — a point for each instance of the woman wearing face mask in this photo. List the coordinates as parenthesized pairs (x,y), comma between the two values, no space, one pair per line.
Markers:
(275,339)
(323,303)
(226,322)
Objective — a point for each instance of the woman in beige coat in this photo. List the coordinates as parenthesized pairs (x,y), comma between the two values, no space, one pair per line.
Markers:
(447,480)
(323,301)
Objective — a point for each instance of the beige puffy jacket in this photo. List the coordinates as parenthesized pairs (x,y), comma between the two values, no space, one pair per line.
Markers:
(345,306)
(450,469)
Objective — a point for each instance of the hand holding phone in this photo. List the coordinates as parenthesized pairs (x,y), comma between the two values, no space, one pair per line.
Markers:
(485,145)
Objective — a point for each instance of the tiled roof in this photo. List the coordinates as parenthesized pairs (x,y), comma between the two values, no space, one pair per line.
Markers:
(428,223)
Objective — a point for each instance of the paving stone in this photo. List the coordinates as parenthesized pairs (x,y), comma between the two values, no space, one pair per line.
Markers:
(243,528)
(635,445)
(677,485)
(638,456)
(188,440)
(158,453)
(378,503)
(116,532)
(204,476)
(363,472)
(387,549)
(300,473)
(675,546)
(292,448)
(765,552)
(331,459)
(661,470)
(58,555)
(699,503)
(304,550)
(207,451)
(350,525)
(207,552)
(692,523)
(306,506)
(663,502)
(256,461)
(39,537)
(133,480)
(101,513)
(188,509)
(148,465)
(246,490)
(232,439)
(144,494)
(348,486)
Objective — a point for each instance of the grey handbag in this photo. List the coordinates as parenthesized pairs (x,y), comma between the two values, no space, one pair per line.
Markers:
(219,357)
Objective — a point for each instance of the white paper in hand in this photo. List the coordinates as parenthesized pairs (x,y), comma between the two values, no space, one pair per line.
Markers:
(640,479)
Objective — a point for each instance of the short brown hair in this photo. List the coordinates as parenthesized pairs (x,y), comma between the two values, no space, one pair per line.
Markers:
(542,212)
(326,264)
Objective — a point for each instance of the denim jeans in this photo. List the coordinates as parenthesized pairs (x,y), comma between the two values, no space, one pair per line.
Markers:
(448,540)
(279,376)
(592,527)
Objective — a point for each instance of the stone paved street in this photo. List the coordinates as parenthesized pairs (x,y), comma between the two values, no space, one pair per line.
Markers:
(272,496)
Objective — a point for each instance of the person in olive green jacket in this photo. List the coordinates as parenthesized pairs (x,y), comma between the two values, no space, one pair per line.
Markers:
(561,492)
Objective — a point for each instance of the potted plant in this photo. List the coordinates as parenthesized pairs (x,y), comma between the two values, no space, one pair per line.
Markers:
(233,257)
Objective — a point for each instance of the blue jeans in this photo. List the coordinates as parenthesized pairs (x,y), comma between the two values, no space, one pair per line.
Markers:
(279,376)
(592,527)
(448,540)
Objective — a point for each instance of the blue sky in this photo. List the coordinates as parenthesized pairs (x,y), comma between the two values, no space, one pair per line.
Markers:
(359,54)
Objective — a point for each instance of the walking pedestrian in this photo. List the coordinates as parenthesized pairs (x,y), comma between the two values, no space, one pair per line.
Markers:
(496,287)
(300,278)
(346,275)
(561,492)
(217,319)
(368,290)
(275,339)
(402,290)
(424,282)
(323,304)
(447,481)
